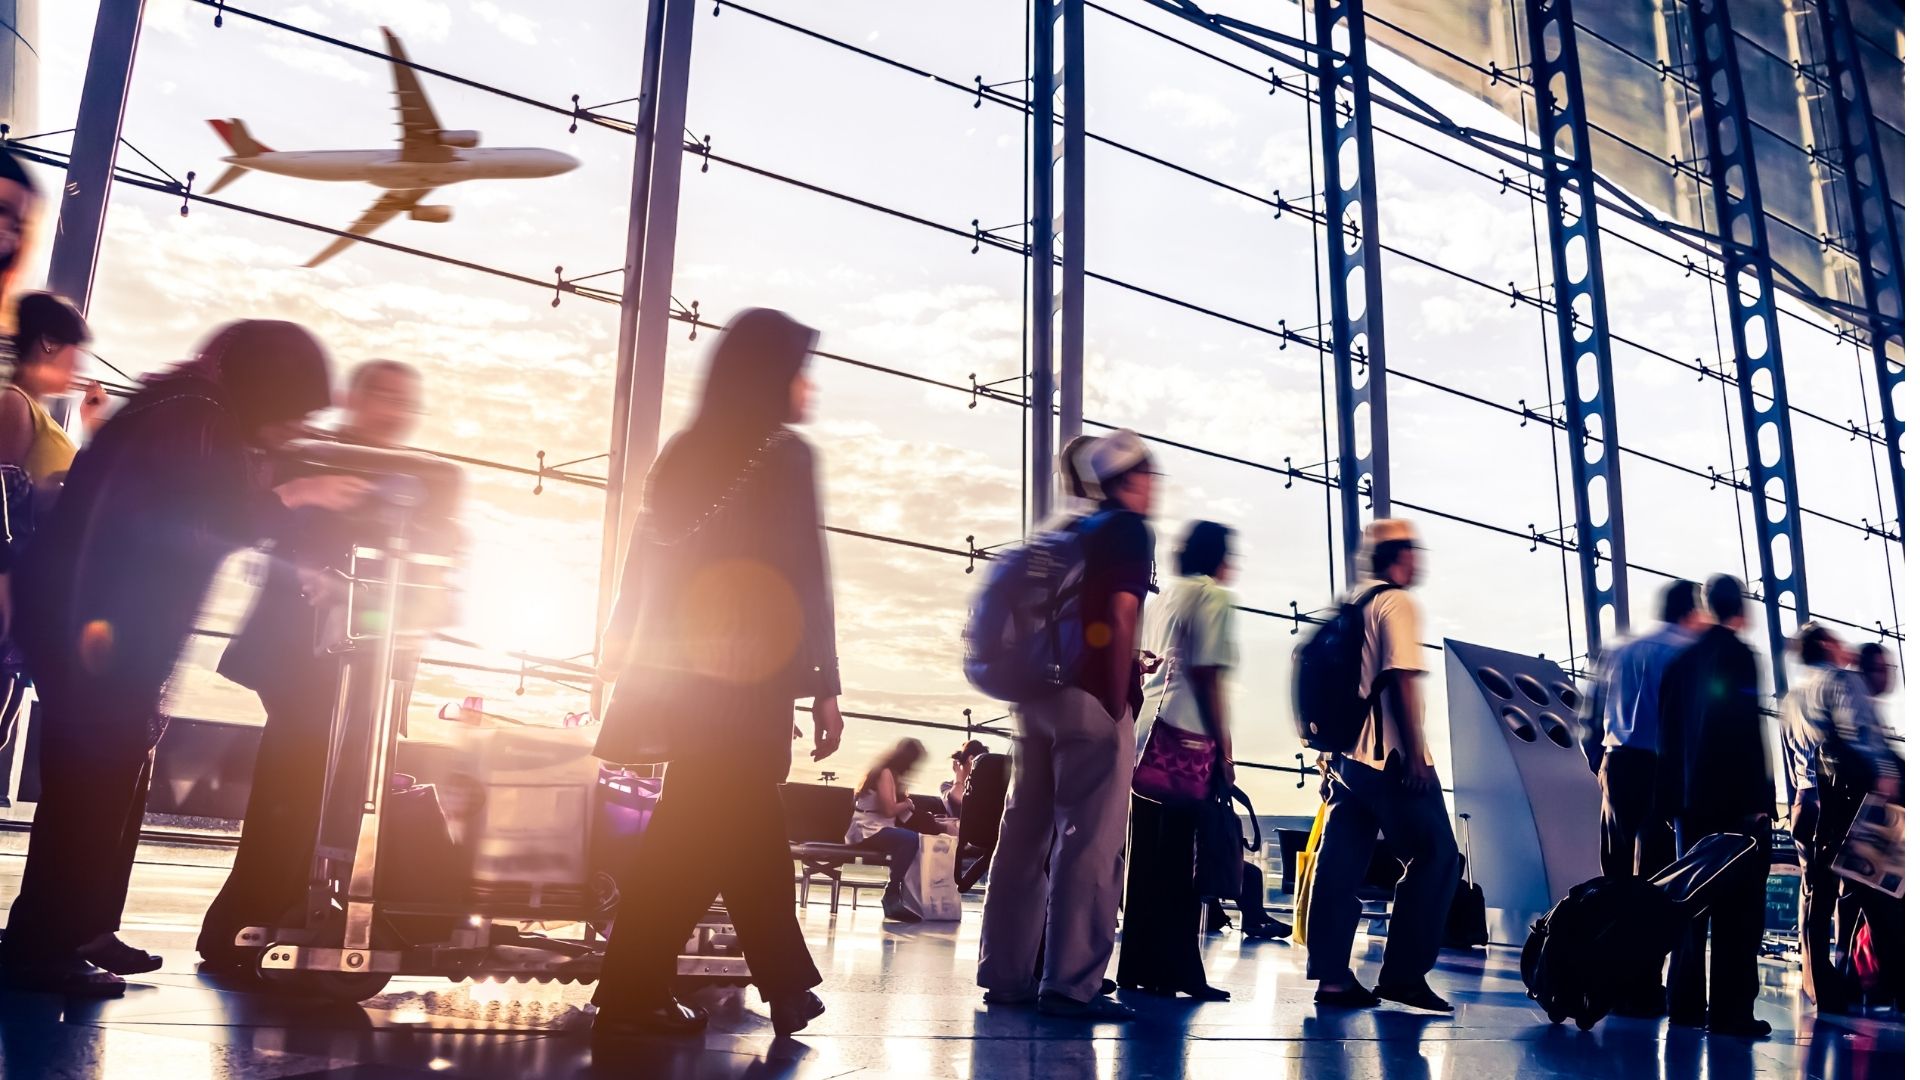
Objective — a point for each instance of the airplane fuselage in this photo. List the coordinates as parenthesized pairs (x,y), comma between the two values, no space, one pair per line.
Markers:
(387,169)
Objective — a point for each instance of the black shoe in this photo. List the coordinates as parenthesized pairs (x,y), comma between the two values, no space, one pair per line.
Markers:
(1108,988)
(1745,1028)
(1269,930)
(671,1018)
(1217,919)
(1203,992)
(1414,995)
(74,977)
(1099,1011)
(117,956)
(792,1012)
(893,904)
(1353,997)
(1016,999)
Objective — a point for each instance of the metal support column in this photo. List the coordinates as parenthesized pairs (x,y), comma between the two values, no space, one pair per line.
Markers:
(1040,250)
(1874,234)
(646,289)
(1071,155)
(1352,210)
(1580,313)
(96,145)
(1755,329)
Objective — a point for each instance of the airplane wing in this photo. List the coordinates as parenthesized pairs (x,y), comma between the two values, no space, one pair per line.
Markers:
(419,127)
(385,209)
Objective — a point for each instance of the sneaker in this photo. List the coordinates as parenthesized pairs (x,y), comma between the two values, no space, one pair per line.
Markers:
(893,905)
(792,1012)
(74,978)
(1098,1011)
(1415,996)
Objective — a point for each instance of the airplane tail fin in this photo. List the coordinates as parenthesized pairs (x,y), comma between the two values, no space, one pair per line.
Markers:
(235,134)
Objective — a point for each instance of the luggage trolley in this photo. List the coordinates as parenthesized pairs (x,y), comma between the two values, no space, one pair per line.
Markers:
(353,934)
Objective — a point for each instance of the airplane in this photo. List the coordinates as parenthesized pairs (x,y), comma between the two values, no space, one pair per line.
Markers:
(429,157)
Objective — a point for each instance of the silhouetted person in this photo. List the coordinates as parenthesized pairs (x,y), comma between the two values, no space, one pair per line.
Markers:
(107,596)
(1386,785)
(1716,764)
(1059,869)
(274,656)
(1191,632)
(1635,838)
(724,619)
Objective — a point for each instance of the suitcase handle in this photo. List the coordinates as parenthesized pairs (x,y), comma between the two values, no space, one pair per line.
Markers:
(1467,831)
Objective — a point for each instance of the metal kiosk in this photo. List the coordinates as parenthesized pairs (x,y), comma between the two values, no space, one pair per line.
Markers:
(346,942)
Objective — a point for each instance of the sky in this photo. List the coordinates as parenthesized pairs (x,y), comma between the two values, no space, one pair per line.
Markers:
(510,374)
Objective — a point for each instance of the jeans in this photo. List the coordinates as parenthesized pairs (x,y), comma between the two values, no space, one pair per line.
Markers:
(900,846)
(1364,804)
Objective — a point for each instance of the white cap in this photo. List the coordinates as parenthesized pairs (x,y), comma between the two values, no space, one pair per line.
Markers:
(1115,453)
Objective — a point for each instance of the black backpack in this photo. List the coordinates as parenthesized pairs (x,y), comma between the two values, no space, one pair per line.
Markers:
(1327,704)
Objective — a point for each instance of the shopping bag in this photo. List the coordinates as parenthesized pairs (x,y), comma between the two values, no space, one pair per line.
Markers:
(1303,874)
(930,889)
(1875,852)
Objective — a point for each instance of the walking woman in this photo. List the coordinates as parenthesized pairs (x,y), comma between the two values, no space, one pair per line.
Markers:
(880,812)
(724,619)
(107,596)
(1192,633)
(47,337)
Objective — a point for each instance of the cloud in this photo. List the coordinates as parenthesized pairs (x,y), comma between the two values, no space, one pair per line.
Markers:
(429,19)
(511,24)
(1190,109)
(325,61)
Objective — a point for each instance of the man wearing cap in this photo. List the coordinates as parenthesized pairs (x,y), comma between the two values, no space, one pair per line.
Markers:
(1072,773)
(1385,785)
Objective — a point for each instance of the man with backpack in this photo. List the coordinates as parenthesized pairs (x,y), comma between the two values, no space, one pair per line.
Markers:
(1072,767)
(1381,782)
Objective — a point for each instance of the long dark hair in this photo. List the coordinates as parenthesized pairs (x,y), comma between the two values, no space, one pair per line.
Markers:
(265,371)
(899,761)
(747,397)
(1205,550)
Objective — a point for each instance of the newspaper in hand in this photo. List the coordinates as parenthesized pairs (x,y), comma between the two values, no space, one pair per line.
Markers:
(1875,852)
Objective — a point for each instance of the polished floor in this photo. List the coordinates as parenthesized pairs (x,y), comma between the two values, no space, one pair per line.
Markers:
(900,1003)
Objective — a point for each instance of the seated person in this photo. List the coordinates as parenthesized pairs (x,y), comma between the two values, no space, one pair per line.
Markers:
(954,792)
(986,800)
(881,810)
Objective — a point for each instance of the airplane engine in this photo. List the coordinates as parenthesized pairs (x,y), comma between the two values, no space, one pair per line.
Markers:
(464,139)
(436,214)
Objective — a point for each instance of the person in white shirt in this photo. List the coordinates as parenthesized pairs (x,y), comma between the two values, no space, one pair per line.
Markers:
(881,810)
(1190,635)
(1385,785)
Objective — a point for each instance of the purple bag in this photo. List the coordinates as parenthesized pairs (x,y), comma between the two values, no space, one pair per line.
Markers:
(1176,767)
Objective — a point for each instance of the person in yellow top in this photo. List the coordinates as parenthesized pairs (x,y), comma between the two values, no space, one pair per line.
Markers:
(48,335)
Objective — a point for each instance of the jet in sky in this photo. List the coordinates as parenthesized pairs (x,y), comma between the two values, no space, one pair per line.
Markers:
(429,157)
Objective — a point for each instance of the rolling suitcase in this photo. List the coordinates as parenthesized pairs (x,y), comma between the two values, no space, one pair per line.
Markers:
(1467,918)
(1605,936)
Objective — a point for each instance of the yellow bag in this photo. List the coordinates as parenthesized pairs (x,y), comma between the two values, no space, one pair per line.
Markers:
(1303,874)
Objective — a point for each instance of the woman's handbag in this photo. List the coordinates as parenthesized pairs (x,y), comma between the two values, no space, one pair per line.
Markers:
(651,699)
(1175,767)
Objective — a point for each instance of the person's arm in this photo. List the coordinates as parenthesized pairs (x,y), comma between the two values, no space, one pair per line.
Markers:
(1125,620)
(812,581)
(1209,694)
(16,426)
(1857,721)
(1405,705)
(893,802)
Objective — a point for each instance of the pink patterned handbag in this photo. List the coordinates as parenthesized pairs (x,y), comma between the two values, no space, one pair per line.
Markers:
(1176,767)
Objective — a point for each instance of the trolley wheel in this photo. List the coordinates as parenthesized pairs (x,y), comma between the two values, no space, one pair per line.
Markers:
(346,987)
(1554,1016)
(1587,1020)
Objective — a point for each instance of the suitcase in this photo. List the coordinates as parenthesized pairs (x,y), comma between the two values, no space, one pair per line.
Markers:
(1467,917)
(1607,934)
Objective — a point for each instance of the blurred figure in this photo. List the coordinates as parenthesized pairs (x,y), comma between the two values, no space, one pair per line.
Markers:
(954,792)
(1719,779)
(107,597)
(1386,785)
(47,337)
(727,607)
(273,655)
(19,203)
(1059,867)
(1636,839)
(881,810)
(1191,633)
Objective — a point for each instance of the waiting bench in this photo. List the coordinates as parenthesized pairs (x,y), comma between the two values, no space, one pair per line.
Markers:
(817,820)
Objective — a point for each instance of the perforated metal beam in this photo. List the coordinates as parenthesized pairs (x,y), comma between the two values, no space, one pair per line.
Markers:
(1040,231)
(1742,227)
(1353,264)
(1874,237)
(1058,316)
(1580,314)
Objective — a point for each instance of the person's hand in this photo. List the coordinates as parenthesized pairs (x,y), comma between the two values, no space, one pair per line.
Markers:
(93,405)
(331,493)
(827,726)
(321,588)
(1149,663)
(1888,787)
(1226,770)
(1421,778)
